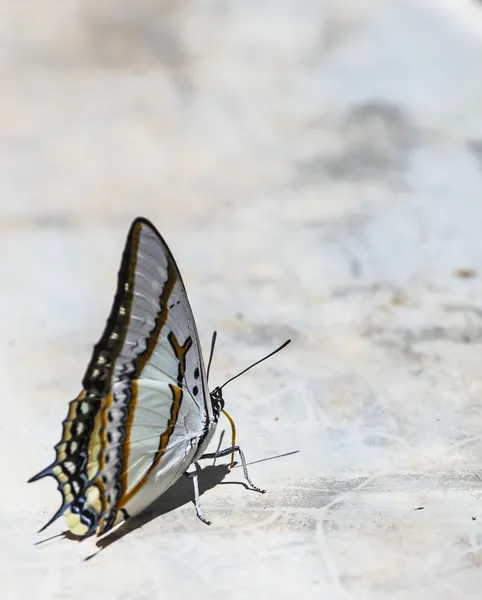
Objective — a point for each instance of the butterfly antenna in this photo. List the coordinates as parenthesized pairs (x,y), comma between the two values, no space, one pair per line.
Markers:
(256,363)
(211,353)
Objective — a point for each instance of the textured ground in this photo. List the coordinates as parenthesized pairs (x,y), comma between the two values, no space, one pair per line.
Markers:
(317,170)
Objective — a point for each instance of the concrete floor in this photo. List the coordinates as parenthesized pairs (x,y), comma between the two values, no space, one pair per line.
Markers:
(316,168)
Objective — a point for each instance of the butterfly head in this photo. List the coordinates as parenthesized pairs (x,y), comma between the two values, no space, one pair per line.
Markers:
(217,401)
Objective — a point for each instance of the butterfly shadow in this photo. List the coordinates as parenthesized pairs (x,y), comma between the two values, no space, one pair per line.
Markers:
(179,494)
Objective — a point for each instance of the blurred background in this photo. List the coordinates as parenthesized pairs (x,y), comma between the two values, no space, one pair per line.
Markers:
(316,168)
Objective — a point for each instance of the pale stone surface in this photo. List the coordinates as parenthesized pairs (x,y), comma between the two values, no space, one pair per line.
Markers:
(316,168)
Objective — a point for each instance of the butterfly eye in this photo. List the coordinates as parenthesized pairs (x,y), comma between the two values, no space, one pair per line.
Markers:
(217,400)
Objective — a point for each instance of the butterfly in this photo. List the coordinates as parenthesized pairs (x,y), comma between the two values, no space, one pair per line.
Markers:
(145,413)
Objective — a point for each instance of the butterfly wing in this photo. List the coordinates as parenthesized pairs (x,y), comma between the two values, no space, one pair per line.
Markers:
(144,412)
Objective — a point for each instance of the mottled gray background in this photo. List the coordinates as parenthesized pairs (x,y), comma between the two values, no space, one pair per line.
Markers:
(316,167)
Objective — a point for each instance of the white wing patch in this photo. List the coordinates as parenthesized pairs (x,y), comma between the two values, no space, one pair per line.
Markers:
(159,442)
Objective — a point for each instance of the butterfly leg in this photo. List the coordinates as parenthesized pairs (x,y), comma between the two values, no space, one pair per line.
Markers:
(230,450)
(197,504)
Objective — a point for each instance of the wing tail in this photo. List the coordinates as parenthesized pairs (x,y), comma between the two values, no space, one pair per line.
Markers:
(77,460)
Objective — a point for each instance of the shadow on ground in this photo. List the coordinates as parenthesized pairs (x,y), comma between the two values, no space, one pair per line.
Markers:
(177,495)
